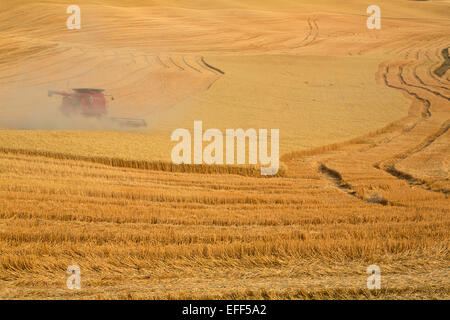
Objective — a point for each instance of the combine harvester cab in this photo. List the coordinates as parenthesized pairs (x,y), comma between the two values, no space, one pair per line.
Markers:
(91,103)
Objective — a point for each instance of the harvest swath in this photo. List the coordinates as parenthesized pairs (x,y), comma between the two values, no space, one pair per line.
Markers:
(364,125)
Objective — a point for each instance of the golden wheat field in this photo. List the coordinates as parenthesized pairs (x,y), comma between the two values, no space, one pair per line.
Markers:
(364,148)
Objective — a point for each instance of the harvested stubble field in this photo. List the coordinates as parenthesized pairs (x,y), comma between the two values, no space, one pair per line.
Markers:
(364,137)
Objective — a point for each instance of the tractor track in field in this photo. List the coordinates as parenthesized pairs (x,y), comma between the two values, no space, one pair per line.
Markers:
(401,68)
(426,102)
(433,76)
(445,66)
(388,165)
(210,66)
(92,69)
(39,69)
(418,78)
(436,65)
(400,83)
(175,64)
(161,62)
(32,80)
(313,33)
(82,56)
(189,66)
(335,178)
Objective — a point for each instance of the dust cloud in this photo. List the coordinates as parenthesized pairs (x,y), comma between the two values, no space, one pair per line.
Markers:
(32,109)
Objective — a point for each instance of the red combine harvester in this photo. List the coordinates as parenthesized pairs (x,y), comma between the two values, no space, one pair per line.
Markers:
(91,103)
